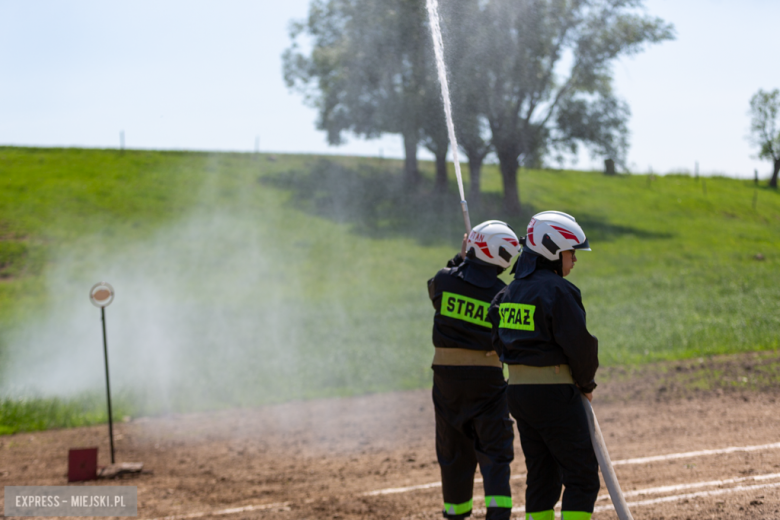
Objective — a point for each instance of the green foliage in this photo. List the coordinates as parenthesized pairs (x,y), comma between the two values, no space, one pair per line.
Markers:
(334,303)
(538,105)
(764,109)
(370,71)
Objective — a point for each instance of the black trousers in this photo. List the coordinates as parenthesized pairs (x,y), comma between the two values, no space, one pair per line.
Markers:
(556,442)
(473,427)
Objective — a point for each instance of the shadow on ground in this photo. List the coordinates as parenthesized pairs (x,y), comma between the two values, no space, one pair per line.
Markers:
(377,203)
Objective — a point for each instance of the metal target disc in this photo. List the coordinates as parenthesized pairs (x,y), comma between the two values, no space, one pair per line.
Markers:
(101,294)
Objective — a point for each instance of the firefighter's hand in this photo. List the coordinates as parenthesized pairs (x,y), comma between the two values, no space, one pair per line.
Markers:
(490,353)
(463,246)
(589,395)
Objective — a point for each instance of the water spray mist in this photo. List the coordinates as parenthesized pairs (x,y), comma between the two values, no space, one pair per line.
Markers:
(438,48)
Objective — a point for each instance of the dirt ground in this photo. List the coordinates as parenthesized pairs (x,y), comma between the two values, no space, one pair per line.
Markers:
(322,459)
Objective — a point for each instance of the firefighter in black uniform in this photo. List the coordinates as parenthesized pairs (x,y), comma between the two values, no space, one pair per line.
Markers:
(539,331)
(469,390)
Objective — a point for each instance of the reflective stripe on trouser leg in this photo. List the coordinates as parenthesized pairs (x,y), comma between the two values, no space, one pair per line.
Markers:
(575,515)
(498,501)
(472,426)
(455,455)
(541,515)
(494,452)
(458,509)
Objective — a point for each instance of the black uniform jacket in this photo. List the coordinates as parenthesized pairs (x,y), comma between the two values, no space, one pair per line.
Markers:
(461,294)
(538,320)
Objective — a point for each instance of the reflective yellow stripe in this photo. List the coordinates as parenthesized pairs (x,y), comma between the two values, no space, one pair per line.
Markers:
(541,515)
(518,316)
(458,509)
(575,515)
(498,501)
(466,309)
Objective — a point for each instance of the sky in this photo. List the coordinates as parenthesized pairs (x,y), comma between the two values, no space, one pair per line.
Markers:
(200,75)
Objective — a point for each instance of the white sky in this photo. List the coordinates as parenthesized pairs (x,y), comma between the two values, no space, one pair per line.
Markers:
(207,76)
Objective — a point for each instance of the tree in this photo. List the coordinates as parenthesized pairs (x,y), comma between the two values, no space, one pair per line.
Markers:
(366,72)
(530,77)
(436,139)
(456,17)
(764,109)
(473,138)
(371,70)
(463,40)
(547,64)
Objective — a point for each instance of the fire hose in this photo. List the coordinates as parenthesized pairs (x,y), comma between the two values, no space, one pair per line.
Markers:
(607,471)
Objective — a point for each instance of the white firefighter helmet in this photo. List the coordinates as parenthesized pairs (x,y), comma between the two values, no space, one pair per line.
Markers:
(493,242)
(551,232)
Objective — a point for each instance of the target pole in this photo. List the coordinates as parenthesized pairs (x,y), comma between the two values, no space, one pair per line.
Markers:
(108,384)
(101,295)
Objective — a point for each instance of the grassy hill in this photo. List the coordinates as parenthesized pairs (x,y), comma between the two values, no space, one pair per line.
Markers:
(245,279)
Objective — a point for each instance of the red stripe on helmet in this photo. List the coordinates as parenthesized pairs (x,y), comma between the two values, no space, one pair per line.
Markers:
(566,233)
(484,247)
(530,231)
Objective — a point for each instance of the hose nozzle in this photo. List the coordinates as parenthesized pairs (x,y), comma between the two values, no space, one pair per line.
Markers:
(465,207)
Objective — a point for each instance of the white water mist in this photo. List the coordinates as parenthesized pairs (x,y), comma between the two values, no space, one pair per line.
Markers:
(241,301)
(438,49)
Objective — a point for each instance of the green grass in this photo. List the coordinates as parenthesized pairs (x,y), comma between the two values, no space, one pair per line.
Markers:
(244,279)
(43,413)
